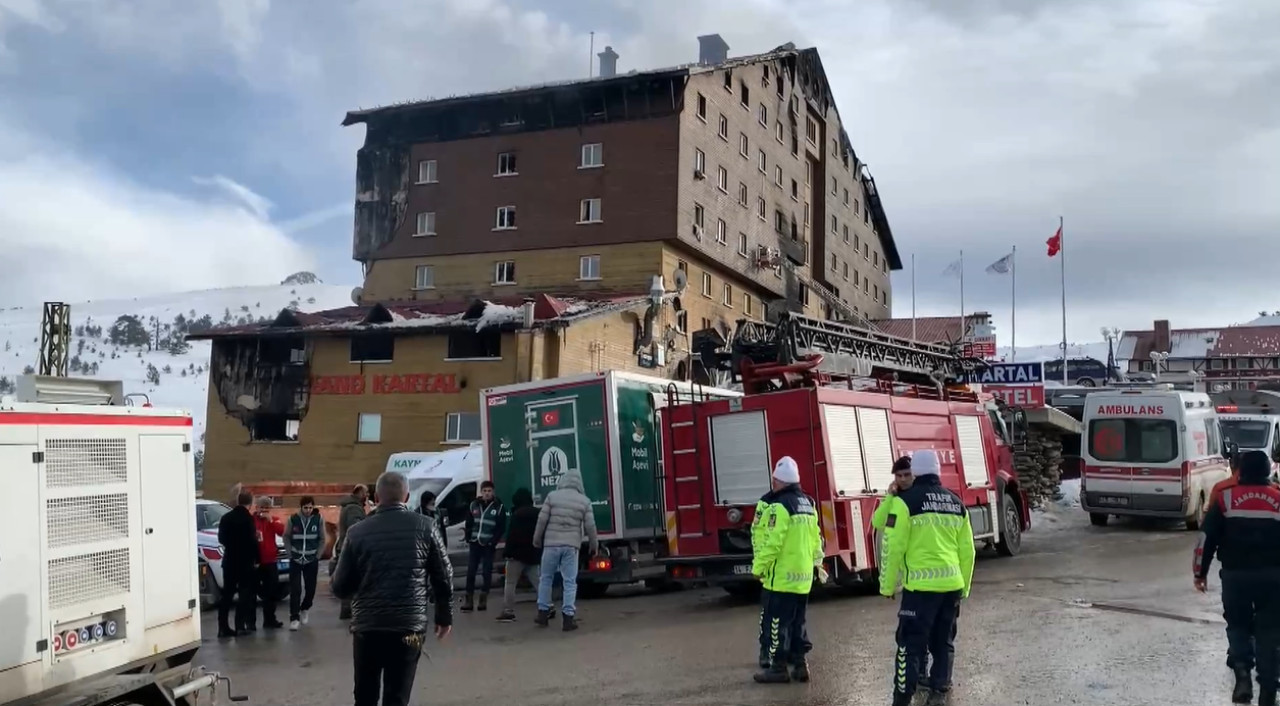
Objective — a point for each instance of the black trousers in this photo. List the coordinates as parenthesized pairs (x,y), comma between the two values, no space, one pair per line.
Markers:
(480,558)
(385,664)
(1251,607)
(925,623)
(269,591)
(949,655)
(784,623)
(302,587)
(239,591)
(764,634)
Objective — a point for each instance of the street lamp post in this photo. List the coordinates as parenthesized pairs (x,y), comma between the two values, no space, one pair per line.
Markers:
(1156,359)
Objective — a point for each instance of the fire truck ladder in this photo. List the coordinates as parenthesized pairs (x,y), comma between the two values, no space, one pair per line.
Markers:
(847,350)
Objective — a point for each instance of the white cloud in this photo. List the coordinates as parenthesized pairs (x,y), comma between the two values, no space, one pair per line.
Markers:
(1150,124)
(74,230)
(258,205)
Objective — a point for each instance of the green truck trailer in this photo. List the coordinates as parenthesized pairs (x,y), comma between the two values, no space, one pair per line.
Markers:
(605,425)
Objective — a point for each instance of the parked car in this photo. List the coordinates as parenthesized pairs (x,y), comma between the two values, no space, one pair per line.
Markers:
(1084,372)
(208,514)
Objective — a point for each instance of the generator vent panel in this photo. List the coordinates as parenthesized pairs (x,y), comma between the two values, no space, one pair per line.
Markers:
(77,462)
(88,577)
(87,519)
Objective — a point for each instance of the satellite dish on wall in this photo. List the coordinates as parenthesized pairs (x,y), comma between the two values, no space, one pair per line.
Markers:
(356,294)
(680,279)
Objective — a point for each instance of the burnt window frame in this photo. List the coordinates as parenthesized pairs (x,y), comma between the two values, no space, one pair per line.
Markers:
(368,344)
(468,344)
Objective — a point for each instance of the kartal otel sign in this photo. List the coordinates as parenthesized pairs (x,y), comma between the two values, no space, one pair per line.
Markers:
(407,384)
(1018,384)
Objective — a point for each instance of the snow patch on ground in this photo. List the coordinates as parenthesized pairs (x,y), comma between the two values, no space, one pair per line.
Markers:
(1061,513)
(20,337)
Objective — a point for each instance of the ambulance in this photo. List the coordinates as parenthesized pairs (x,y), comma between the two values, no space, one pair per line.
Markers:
(1151,453)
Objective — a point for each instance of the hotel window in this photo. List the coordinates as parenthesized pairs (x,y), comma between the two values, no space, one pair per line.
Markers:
(589,211)
(744,145)
(764,115)
(467,344)
(589,267)
(506,164)
(426,224)
(702,107)
(699,162)
(369,428)
(760,208)
(424,277)
(742,194)
(427,171)
(746,304)
(721,234)
(742,244)
(375,348)
(462,427)
(762,162)
(504,272)
(505,218)
(777,132)
(744,95)
(728,296)
(723,132)
(706,284)
(722,179)
(592,155)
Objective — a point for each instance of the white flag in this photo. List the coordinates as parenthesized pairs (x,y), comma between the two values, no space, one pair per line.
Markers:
(954,269)
(1001,266)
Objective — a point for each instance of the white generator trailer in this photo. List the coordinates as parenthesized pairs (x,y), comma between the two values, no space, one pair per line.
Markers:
(99,597)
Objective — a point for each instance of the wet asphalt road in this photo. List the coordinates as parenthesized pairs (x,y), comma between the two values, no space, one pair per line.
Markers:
(1083,616)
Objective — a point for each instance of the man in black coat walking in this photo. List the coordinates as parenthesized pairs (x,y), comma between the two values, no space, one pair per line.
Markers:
(393,565)
(239,539)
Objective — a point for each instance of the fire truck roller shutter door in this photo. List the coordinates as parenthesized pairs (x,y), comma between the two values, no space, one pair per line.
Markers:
(740,454)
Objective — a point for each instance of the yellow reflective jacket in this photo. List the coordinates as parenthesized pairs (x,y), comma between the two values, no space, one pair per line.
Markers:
(928,540)
(786,541)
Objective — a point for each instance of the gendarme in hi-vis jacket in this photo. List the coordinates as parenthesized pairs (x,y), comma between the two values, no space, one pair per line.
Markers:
(786,541)
(928,540)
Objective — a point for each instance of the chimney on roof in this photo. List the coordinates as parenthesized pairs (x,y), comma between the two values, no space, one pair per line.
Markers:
(608,63)
(1162,341)
(712,49)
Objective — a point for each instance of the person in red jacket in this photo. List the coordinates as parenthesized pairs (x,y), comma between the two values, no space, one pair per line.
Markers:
(268,530)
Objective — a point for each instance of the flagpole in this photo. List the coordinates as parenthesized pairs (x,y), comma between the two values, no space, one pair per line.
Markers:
(1013,309)
(963,327)
(913,296)
(1062,260)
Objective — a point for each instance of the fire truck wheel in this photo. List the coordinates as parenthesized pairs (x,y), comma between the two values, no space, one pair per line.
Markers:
(1010,527)
(1099,519)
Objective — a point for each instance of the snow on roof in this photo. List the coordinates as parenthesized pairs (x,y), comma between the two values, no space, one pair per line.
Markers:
(434,315)
(1192,344)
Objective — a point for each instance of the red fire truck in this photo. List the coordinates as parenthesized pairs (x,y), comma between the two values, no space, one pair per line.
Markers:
(844,402)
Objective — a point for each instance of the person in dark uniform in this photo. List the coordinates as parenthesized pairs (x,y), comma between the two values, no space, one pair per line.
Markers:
(1242,528)
(239,539)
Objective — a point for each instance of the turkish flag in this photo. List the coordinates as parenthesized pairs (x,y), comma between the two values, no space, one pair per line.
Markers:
(1055,243)
(550,419)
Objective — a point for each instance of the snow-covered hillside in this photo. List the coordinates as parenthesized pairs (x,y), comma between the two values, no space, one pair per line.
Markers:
(182,374)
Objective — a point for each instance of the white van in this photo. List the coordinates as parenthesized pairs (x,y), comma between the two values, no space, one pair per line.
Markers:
(453,475)
(1150,453)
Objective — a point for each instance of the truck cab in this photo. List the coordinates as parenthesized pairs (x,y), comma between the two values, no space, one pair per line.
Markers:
(1252,432)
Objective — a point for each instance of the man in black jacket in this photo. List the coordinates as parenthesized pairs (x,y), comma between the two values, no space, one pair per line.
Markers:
(1242,527)
(239,539)
(522,557)
(394,563)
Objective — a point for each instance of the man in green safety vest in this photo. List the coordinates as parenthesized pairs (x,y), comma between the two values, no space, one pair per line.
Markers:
(788,549)
(928,543)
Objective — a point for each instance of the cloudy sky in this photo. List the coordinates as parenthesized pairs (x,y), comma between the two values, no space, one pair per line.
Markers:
(163,145)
